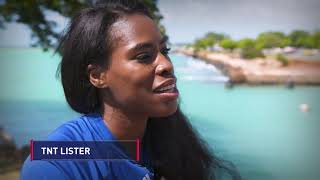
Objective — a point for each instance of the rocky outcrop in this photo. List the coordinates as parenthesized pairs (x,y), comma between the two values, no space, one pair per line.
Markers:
(260,71)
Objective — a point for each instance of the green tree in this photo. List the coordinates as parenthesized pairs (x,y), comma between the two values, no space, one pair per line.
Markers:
(281,58)
(249,49)
(32,14)
(228,44)
(208,40)
(246,42)
(271,40)
(301,38)
(215,37)
(316,40)
(203,43)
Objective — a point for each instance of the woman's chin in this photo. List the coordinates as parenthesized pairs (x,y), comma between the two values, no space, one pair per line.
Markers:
(165,111)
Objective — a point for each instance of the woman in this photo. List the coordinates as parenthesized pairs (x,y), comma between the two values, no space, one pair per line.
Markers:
(116,71)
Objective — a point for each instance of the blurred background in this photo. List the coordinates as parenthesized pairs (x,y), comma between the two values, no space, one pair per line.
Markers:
(248,74)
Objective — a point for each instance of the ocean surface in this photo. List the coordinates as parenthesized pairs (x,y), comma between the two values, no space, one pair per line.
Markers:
(259,128)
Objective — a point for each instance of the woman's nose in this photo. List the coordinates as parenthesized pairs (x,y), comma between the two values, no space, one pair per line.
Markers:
(164,66)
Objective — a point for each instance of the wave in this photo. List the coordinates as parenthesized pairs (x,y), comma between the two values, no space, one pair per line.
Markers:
(191,69)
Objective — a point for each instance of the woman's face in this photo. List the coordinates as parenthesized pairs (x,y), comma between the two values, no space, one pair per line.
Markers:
(140,77)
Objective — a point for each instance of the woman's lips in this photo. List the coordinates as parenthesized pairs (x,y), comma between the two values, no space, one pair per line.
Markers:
(171,94)
(168,88)
(166,84)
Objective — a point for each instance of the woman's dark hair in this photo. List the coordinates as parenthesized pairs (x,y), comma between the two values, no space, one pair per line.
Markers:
(176,150)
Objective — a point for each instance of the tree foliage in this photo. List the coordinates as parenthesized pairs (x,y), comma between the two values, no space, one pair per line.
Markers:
(300,38)
(271,40)
(246,42)
(215,37)
(251,48)
(228,44)
(33,14)
(316,40)
(209,40)
(282,59)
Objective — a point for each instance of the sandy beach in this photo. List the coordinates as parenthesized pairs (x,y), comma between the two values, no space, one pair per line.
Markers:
(260,70)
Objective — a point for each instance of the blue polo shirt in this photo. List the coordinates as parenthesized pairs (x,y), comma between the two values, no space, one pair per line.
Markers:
(86,128)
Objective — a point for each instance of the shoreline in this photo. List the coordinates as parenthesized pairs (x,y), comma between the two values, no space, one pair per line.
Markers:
(260,71)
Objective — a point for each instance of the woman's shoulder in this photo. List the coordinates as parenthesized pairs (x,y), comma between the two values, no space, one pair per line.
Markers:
(82,128)
(79,129)
(40,170)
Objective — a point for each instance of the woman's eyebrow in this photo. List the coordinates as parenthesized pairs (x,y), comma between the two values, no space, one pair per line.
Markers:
(142,46)
(147,45)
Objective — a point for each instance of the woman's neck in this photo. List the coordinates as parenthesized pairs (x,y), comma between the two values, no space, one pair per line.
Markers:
(124,125)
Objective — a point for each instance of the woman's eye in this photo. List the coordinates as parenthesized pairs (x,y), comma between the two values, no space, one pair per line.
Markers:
(165,51)
(144,57)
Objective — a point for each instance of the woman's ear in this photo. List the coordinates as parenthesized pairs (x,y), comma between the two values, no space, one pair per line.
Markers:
(97,76)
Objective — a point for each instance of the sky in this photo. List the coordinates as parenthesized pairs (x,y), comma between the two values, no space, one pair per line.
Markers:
(186,20)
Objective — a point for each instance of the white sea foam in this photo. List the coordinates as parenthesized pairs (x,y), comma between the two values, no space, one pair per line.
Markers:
(196,70)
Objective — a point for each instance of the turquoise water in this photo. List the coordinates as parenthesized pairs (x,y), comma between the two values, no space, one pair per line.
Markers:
(260,129)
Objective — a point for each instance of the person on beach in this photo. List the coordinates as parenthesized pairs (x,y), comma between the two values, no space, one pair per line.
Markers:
(116,72)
